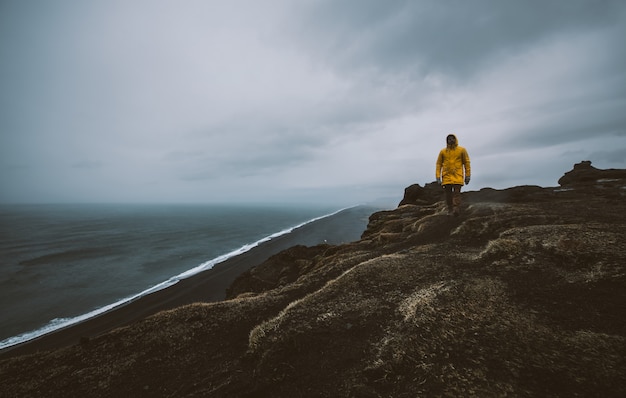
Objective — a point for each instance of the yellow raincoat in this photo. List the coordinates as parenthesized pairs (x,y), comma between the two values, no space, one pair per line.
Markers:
(452,163)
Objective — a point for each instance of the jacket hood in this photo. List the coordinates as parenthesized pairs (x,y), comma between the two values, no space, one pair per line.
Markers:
(456,141)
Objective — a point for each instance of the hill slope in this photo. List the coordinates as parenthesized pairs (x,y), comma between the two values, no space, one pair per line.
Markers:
(524,294)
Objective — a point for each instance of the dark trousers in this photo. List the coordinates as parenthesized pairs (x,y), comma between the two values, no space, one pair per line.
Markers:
(453,196)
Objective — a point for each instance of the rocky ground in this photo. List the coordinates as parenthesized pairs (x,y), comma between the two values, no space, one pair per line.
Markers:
(523,294)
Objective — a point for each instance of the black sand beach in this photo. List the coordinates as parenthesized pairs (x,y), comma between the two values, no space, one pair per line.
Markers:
(208,286)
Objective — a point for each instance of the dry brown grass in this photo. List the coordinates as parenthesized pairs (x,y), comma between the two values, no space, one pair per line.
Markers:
(520,298)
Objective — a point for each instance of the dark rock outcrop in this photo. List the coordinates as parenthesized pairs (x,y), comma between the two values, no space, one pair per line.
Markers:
(585,175)
(417,195)
(524,294)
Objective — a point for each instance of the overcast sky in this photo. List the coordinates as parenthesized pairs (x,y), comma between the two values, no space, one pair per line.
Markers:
(340,101)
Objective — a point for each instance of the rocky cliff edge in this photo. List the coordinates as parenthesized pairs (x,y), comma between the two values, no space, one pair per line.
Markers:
(524,294)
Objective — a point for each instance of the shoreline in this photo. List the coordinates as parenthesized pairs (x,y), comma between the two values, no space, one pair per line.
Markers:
(207,286)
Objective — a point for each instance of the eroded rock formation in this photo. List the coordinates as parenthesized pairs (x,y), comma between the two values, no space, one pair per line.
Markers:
(524,294)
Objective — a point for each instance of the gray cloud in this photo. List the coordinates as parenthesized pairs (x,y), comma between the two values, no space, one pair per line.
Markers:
(87,164)
(616,157)
(279,100)
(457,38)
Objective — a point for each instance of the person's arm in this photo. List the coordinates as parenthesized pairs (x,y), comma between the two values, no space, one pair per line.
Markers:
(467,166)
(438,166)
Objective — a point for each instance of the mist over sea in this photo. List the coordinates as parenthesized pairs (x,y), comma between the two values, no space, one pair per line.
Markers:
(62,262)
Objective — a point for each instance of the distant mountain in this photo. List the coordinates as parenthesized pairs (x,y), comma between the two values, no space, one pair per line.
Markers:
(523,294)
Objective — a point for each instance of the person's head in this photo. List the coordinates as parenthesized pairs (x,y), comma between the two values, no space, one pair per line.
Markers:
(451,140)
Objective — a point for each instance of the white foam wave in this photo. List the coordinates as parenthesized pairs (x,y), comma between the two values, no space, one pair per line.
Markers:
(60,323)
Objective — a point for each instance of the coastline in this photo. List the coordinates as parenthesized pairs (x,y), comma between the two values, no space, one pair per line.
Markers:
(207,286)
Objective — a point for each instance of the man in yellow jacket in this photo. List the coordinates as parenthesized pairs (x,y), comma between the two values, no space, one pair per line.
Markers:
(453,170)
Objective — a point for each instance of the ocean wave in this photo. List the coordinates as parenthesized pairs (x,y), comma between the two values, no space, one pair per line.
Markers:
(69,255)
(61,323)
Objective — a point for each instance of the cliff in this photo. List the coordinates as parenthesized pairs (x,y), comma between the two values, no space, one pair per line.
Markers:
(523,294)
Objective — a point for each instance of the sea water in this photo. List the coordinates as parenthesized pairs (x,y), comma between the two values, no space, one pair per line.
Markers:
(61,264)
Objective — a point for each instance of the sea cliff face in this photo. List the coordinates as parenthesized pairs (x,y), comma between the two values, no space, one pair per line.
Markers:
(523,294)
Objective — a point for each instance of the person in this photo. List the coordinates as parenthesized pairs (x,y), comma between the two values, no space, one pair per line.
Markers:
(453,170)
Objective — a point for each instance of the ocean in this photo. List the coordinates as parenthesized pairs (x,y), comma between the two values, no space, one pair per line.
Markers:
(61,264)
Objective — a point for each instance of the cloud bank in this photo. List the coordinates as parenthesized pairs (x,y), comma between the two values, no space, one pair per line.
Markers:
(340,102)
